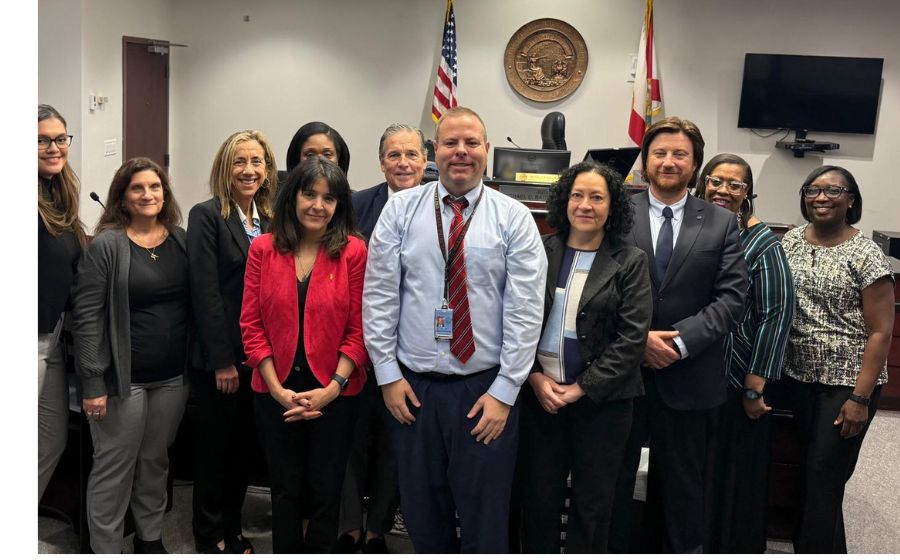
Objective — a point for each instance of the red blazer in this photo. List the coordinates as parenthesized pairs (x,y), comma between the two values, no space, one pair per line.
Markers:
(333,313)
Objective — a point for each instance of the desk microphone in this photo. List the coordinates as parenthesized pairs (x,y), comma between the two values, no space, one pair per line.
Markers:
(510,140)
(96,199)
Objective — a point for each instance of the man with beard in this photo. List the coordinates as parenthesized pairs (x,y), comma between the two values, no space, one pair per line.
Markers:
(699,283)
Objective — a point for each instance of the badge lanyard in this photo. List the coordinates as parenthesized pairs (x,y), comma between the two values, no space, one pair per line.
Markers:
(448,258)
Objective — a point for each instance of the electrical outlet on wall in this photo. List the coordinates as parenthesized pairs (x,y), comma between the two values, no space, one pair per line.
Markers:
(110,147)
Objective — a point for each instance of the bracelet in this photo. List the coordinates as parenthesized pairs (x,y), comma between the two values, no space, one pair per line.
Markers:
(859,399)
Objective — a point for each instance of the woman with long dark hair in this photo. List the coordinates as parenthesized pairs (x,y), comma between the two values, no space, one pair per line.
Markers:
(301,322)
(131,312)
(60,240)
(318,139)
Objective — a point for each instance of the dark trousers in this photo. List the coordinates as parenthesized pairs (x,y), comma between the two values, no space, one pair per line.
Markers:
(306,462)
(674,520)
(372,469)
(627,525)
(226,441)
(444,471)
(584,438)
(738,477)
(828,463)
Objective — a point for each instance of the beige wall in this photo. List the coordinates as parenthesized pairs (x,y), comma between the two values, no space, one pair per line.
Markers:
(361,64)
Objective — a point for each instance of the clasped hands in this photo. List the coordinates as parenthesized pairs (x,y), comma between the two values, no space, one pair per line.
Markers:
(307,405)
(552,395)
(661,350)
(489,427)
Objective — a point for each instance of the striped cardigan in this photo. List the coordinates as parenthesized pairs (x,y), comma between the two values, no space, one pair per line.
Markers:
(758,345)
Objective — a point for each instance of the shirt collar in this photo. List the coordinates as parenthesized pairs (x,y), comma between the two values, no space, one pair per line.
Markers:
(471,196)
(253,213)
(656,206)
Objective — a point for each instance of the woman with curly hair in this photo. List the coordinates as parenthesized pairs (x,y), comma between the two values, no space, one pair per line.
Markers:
(577,407)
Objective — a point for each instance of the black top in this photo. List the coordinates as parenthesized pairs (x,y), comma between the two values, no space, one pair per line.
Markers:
(300,356)
(158,300)
(57,260)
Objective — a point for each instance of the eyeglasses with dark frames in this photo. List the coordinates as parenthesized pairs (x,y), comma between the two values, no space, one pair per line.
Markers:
(61,141)
(734,187)
(831,191)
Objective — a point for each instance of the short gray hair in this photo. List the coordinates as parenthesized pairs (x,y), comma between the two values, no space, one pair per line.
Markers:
(394,129)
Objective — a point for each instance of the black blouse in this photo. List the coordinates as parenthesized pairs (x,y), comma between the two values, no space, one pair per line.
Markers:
(300,362)
(159,301)
(57,260)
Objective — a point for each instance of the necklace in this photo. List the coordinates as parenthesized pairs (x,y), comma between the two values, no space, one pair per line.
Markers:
(141,242)
(304,271)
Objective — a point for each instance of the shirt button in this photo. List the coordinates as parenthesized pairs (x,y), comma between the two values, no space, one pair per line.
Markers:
(443,353)
(296,368)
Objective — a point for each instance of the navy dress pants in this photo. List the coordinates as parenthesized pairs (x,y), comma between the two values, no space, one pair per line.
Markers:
(443,471)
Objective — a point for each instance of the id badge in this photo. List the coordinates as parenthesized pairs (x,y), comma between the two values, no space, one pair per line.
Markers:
(443,323)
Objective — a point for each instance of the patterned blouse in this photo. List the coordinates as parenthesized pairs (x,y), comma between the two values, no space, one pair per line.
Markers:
(758,344)
(829,333)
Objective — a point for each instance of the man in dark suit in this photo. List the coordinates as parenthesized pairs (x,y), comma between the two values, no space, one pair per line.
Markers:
(401,152)
(372,469)
(699,283)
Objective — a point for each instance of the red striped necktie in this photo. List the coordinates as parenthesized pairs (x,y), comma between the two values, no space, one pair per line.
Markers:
(463,344)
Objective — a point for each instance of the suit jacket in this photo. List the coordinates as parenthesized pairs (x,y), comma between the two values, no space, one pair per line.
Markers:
(368,204)
(613,317)
(702,297)
(332,318)
(217,251)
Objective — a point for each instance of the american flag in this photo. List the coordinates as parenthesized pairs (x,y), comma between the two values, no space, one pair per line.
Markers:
(445,84)
(646,99)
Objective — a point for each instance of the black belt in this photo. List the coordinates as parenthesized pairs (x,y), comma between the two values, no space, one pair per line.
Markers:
(437,376)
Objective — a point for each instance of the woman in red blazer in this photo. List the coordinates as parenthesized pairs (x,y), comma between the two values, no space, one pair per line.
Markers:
(301,325)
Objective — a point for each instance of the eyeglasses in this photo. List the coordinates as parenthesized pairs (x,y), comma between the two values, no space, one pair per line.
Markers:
(61,141)
(831,191)
(734,187)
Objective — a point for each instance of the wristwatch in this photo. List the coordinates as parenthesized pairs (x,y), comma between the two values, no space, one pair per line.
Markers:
(342,381)
(859,399)
(752,394)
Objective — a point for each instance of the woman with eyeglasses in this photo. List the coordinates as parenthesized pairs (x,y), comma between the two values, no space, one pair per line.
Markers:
(838,347)
(60,240)
(242,182)
(755,353)
(131,313)
(577,404)
(301,322)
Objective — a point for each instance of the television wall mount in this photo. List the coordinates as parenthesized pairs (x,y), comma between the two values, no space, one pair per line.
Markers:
(800,145)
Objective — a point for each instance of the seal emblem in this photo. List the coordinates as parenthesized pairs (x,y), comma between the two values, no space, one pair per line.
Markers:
(545,60)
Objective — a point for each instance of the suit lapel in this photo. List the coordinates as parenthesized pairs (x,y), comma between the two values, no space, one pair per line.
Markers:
(691,224)
(554,260)
(237,230)
(379,202)
(641,232)
(602,270)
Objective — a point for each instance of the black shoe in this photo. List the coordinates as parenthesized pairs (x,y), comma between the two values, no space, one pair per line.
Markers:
(346,545)
(203,546)
(238,544)
(149,547)
(375,546)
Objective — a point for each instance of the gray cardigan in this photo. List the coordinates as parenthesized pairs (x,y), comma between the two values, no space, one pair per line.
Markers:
(101,319)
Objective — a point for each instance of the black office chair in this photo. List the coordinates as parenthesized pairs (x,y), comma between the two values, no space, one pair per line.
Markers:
(553,132)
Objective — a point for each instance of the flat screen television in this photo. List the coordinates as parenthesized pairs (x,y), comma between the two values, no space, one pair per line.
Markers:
(821,93)
(509,161)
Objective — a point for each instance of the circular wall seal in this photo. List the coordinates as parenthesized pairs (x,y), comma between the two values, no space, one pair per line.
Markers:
(545,60)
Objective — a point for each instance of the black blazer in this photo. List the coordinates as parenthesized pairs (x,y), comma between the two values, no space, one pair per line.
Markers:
(217,252)
(702,297)
(367,204)
(613,317)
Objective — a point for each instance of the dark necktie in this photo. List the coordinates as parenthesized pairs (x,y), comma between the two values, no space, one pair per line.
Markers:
(463,344)
(664,244)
